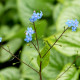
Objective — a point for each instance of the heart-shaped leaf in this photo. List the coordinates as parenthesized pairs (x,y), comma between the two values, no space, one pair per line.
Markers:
(44,60)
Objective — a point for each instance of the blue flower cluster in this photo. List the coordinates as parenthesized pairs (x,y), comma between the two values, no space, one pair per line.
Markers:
(36,16)
(0,39)
(29,33)
(73,24)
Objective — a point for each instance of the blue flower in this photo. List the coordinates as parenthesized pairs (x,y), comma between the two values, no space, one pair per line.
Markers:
(40,15)
(0,39)
(33,19)
(73,24)
(76,23)
(70,23)
(29,33)
(74,28)
(36,16)
(28,38)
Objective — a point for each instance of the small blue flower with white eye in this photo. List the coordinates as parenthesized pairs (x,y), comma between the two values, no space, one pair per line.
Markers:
(33,19)
(73,24)
(28,38)
(29,31)
(69,23)
(36,16)
(0,39)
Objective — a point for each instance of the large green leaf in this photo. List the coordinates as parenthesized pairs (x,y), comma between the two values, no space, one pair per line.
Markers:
(10,73)
(69,12)
(56,11)
(48,0)
(13,45)
(45,60)
(12,32)
(56,64)
(4,30)
(41,27)
(29,55)
(26,8)
(69,42)
(8,33)
(71,74)
(70,2)
(51,30)
(10,4)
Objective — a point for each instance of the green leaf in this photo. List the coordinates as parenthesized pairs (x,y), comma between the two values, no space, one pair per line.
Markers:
(26,8)
(12,32)
(56,64)
(70,2)
(20,33)
(77,61)
(13,45)
(51,1)
(68,12)
(41,27)
(69,43)
(51,30)
(8,33)
(10,4)
(27,55)
(45,60)
(4,30)
(56,11)
(71,74)
(10,73)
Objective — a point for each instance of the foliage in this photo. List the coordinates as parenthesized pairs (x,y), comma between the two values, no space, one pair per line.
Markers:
(14,20)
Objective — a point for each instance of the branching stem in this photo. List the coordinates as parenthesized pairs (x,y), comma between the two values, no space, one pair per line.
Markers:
(55,42)
(19,59)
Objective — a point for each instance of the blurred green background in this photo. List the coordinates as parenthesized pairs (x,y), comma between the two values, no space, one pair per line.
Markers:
(14,20)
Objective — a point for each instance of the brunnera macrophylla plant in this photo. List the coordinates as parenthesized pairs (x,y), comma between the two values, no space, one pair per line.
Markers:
(43,57)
